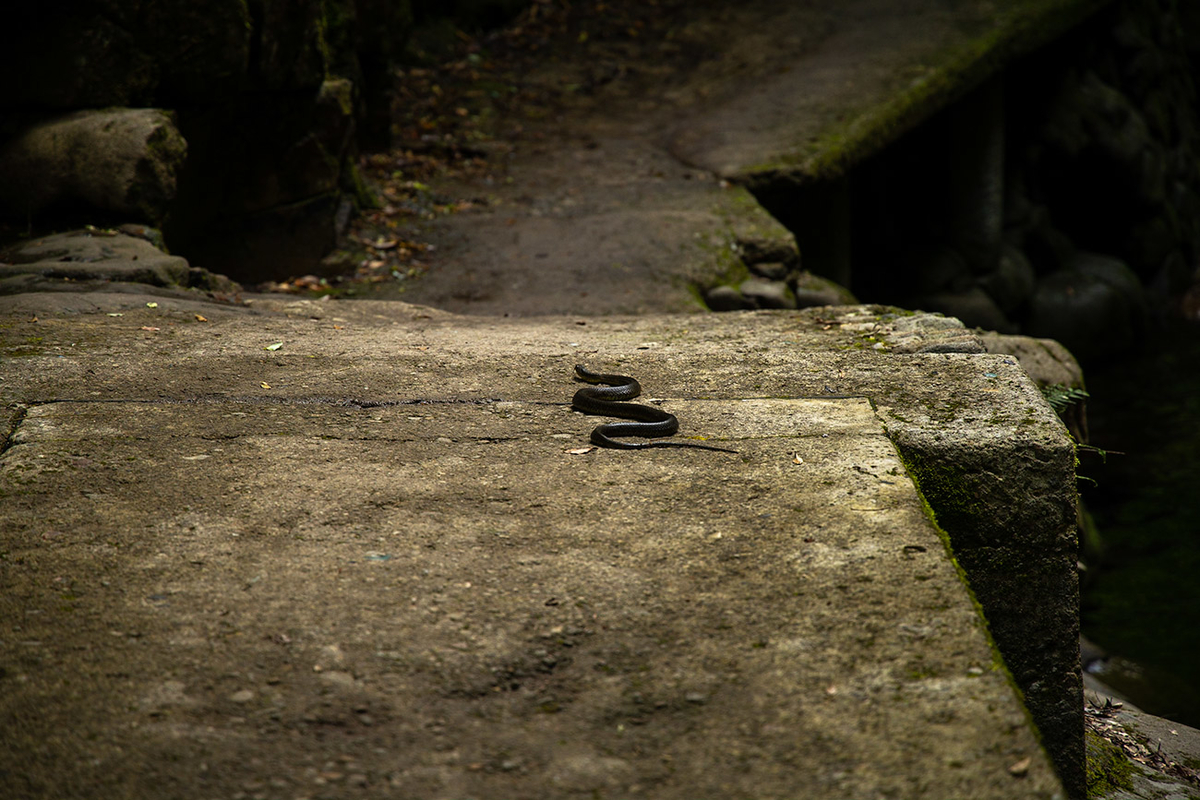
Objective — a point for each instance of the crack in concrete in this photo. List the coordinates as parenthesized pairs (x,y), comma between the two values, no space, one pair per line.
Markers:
(19,412)
(350,402)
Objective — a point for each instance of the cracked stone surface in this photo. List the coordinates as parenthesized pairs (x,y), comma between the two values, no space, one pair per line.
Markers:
(371,561)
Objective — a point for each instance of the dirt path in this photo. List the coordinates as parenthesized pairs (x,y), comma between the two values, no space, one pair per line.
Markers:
(595,162)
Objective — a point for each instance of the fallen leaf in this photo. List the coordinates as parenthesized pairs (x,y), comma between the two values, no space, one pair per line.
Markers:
(151,305)
(265,385)
(273,347)
(150,328)
(201,318)
(115,314)
(579,451)
(1020,768)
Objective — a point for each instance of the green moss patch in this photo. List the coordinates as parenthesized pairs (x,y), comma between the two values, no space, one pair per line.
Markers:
(1108,768)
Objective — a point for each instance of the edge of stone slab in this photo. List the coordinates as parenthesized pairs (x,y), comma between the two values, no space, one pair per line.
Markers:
(1007,505)
(863,132)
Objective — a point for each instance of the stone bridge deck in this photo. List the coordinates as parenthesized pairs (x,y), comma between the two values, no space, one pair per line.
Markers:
(367,562)
(375,552)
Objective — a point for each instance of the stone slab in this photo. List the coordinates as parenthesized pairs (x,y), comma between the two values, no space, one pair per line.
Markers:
(372,555)
(875,69)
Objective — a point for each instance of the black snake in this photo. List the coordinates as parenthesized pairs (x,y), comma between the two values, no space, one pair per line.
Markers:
(605,401)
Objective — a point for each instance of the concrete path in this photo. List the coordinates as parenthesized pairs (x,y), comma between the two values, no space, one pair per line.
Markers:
(631,196)
(328,549)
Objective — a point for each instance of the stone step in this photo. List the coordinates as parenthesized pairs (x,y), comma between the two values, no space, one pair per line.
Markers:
(385,550)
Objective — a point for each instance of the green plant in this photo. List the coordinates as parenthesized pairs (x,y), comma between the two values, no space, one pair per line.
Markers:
(1060,396)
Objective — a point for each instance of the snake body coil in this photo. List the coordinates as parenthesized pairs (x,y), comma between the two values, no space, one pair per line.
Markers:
(606,401)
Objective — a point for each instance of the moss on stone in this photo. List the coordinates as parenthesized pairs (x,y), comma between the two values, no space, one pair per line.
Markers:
(728,269)
(1108,768)
(915,473)
(921,89)
(910,460)
(948,491)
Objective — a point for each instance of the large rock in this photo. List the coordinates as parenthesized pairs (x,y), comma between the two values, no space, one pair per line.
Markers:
(365,39)
(763,293)
(1010,284)
(253,88)
(1045,361)
(813,290)
(99,259)
(1096,125)
(973,306)
(121,162)
(1095,307)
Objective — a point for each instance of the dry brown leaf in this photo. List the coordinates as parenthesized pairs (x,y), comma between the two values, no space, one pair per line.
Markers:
(1021,767)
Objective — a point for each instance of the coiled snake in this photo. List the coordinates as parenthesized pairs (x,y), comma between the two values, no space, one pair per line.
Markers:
(605,401)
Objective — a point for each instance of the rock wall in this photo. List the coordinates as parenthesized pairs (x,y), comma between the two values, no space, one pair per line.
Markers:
(1105,176)
(263,95)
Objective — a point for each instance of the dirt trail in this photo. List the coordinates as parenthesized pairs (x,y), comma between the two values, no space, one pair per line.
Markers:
(609,172)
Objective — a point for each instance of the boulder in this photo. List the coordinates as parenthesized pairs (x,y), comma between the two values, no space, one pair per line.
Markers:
(1148,241)
(1088,313)
(1096,124)
(763,293)
(119,162)
(937,269)
(96,257)
(1123,280)
(973,306)
(1045,361)
(813,290)
(761,240)
(366,37)
(771,270)
(1047,248)
(726,298)
(1010,284)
